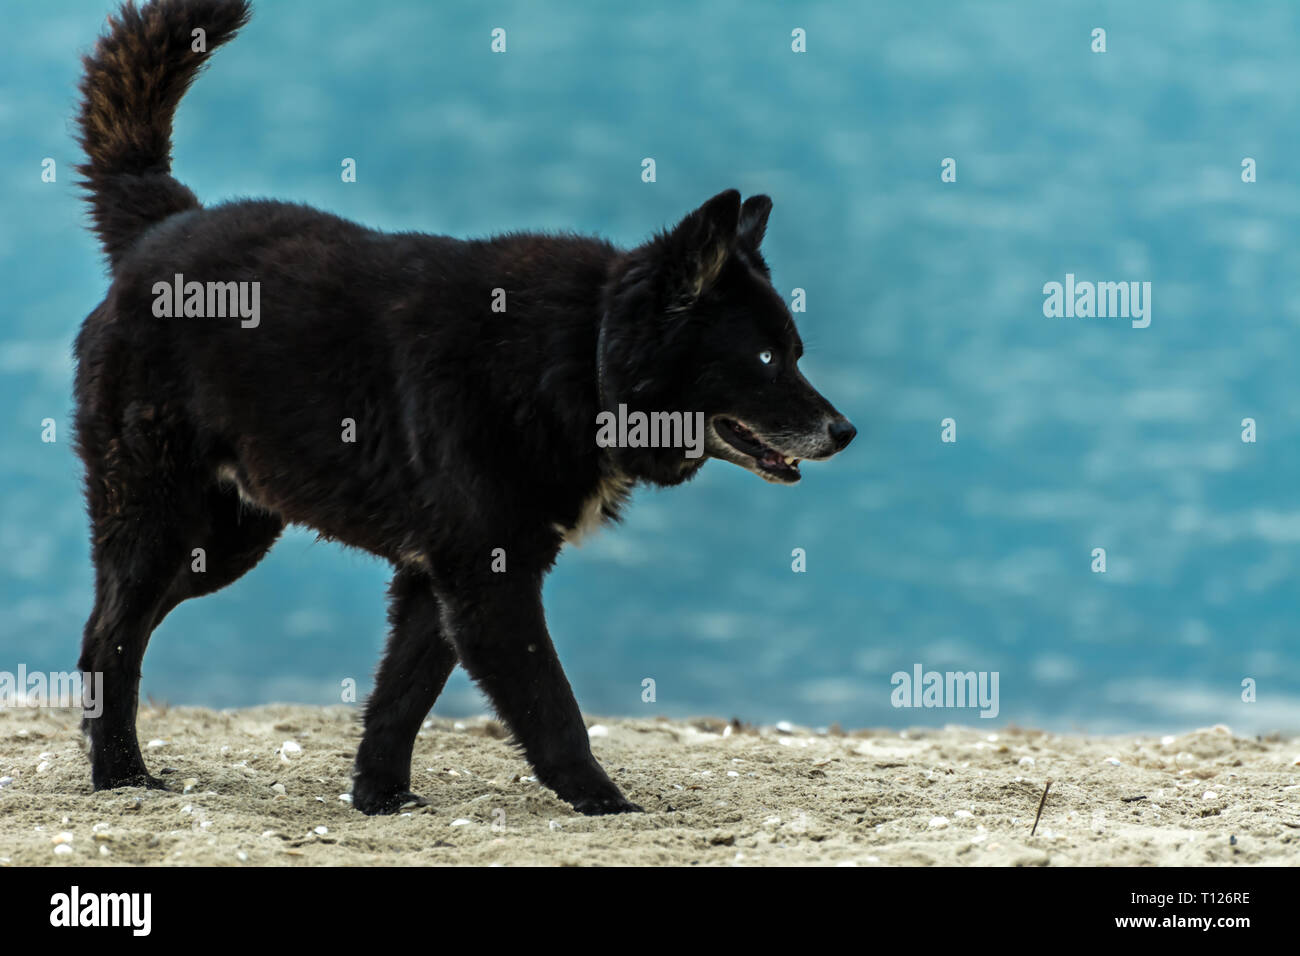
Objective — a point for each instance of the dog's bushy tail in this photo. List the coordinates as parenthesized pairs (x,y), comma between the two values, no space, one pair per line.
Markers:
(134,78)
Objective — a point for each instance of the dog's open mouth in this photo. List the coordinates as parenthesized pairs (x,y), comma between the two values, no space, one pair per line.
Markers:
(768,462)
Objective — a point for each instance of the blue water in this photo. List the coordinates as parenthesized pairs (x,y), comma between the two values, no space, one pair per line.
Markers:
(924,302)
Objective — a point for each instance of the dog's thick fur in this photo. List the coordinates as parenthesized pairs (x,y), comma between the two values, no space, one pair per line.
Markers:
(474,429)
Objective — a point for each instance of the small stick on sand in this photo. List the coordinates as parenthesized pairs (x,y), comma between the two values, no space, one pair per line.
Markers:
(1040,808)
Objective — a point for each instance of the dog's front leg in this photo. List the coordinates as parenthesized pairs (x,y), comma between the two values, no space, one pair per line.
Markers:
(415,668)
(499,630)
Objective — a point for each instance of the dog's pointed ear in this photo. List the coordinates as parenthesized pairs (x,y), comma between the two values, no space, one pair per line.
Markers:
(698,246)
(753,219)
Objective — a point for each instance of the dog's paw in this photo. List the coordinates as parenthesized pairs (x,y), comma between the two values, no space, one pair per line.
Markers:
(586,787)
(599,806)
(383,802)
(140,779)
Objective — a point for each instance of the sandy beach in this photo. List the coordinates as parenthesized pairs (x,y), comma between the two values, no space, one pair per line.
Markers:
(266,787)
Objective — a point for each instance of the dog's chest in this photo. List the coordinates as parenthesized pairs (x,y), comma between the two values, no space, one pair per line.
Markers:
(610,494)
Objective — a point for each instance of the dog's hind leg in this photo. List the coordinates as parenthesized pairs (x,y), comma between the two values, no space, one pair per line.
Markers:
(499,629)
(416,665)
(146,528)
(112,648)
(139,527)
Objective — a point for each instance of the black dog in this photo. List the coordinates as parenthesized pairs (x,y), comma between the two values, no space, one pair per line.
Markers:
(431,400)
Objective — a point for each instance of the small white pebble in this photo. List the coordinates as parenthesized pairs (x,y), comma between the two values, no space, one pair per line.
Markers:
(241,856)
(5,781)
(278,788)
(1114,762)
(460,823)
(187,809)
(62,849)
(1209,795)
(321,831)
(938,823)
(43,766)
(732,773)
(1167,740)
(64,837)
(103,850)
(555,825)
(345,797)
(155,744)
(785,726)
(963,814)
(597,730)
(1026,761)
(190,784)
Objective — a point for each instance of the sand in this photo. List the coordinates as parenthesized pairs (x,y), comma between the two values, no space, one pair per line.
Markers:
(716,793)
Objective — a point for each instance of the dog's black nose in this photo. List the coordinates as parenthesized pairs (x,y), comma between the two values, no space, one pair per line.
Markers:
(842,432)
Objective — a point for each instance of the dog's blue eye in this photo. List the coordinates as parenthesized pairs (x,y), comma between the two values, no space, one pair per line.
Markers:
(765,358)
